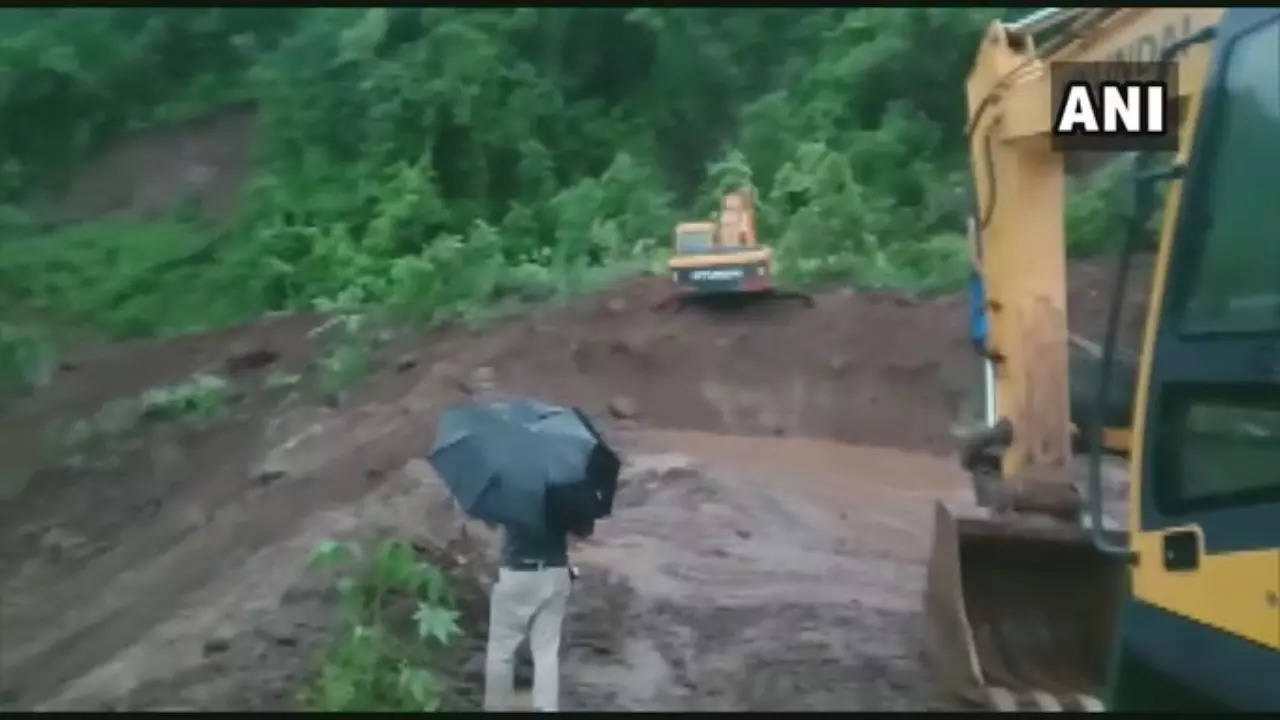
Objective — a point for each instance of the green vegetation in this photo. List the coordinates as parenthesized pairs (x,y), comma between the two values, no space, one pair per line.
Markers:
(345,358)
(397,615)
(1095,218)
(26,358)
(433,163)
(128,279)
(199,399)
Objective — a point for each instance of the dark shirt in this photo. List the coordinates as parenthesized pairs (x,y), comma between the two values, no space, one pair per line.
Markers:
(519,545)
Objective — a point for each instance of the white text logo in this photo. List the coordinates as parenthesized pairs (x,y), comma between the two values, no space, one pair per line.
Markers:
(1128,108)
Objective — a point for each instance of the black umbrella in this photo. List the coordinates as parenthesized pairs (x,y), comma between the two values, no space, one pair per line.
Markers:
(524,462)
(576,501)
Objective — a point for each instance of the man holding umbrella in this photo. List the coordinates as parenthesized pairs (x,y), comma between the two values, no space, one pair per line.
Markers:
(542,472)
(530,597)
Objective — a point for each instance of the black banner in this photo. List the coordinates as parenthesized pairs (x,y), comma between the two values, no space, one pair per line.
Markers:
(1115,106)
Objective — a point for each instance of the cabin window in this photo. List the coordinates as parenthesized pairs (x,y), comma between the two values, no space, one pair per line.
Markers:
(1234,210)
(1223,447)
(693,242)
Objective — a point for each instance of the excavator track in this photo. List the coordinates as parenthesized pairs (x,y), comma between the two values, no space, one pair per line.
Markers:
(729,300)
(1000,699)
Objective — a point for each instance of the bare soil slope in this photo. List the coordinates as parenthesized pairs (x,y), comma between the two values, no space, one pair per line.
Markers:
(149,173)
(167,569)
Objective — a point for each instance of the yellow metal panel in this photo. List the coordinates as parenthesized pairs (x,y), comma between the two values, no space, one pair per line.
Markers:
(1116,439)
(994,64)
(1235,592)
(685,262)
(1024,264)
(685,227)
(1138,34)
(1029,105)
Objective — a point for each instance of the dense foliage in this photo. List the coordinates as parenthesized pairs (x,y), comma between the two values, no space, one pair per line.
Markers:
(436,160)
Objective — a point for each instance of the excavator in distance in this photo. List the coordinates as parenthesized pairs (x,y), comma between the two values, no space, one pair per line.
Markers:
(1038,597)
(724,260)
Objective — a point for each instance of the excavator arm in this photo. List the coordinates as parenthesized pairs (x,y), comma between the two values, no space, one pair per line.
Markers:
(1020,200)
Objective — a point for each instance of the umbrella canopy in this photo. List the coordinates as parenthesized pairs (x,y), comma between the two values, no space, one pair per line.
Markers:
(524,462)
(576,501)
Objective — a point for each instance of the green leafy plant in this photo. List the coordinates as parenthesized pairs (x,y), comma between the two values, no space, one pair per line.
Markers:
(128,279)
(27,359)
(1095,218)
(346,341)
(345,362)
(396,614)
(200,398)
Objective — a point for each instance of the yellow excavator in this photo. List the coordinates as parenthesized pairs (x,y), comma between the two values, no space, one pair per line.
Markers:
(724,259)
(1058,589)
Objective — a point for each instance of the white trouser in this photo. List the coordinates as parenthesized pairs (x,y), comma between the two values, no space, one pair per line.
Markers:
(532,601)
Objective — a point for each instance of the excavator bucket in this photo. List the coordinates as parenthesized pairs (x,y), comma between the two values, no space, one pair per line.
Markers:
(1021,610)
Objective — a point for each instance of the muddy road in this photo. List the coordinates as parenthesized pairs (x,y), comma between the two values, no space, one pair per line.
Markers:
(734,582)
(717,585)
(776,562)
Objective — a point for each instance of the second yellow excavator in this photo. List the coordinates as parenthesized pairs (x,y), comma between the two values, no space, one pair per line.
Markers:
(724,259)
(1058,589)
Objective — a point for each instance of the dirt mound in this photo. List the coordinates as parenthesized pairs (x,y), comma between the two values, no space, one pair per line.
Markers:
(874,369)
(119,565)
